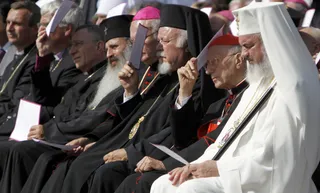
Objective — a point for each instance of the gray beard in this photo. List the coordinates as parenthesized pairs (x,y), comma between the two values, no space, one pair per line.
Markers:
(110,80)
(108,83)
(256,72)
(164,68)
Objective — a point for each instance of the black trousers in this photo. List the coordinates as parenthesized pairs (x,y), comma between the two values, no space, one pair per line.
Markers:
(42,171)
(21,160)
(139,183)
(4,154)
(108,177)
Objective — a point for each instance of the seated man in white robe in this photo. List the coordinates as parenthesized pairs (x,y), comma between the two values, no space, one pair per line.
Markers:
(278,149)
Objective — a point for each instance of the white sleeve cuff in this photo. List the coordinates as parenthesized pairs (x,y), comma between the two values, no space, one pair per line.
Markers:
(183,102)
(125,99)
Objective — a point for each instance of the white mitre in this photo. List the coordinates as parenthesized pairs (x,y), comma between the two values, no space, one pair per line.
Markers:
(120,9)
(281,38)
(105,6)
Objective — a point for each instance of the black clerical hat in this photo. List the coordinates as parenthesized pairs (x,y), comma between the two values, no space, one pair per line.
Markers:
(193,20)
(115,27)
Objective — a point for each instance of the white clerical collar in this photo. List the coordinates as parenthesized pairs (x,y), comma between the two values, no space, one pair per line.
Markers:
(58,56)
(20,53)
(6,46)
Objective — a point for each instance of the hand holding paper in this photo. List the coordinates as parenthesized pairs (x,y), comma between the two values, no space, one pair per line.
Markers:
(58,16)
(28,116)
(170,153)
(135,58)
(202,57)
(62,147)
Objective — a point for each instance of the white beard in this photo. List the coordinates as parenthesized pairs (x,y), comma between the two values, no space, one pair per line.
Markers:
(110,80)
(256,72)
(164,68)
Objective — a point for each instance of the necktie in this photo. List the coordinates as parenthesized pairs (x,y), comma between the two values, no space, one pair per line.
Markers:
(2,53)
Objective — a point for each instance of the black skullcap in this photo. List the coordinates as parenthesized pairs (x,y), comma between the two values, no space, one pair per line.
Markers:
(115,27)
(193,20)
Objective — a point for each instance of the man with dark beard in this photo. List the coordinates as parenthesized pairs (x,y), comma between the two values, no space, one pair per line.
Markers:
(60,129)
(146,116)
(271,141)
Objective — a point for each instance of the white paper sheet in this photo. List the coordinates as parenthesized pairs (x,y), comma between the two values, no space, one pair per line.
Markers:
(62,147)
(171,153)
(308,18)
(135,58)
(317,58)
(202,57)
(58,16)
(28,116)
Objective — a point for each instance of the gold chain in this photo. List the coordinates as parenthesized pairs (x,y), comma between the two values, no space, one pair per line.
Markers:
(136,126)
(56,66)
(93,73)
(245,113)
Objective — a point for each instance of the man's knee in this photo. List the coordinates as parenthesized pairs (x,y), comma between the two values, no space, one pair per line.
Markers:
(162,184)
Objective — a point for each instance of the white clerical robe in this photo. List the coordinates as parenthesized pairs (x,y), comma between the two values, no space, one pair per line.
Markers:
(277,151)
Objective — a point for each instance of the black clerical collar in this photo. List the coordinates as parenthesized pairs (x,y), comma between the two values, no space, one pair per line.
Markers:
(97,66)
(28,48)
(241,86)
(154,66)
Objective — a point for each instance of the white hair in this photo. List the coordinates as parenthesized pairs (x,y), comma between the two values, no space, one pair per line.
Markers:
(110,80)
(234,49)
(75,16)
(153,27)
(182,39)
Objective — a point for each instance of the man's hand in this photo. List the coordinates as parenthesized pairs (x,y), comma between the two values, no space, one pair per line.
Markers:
(116,155)
(188,75)
(36,132)
(180,175)
(80,143)
(42,42)
(88,146)
(205,169)
(148,164)
(129,80)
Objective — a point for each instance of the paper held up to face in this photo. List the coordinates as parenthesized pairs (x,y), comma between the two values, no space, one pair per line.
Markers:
(202,57)
(306,22)
(171,153)
(62,147)
(135,58)
(28,116)
(58,16)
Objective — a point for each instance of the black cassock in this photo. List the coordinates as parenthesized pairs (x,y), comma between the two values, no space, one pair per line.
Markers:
(63,127)
(48,161)
(155,126)
(16,80)
(47,88)
(182,121)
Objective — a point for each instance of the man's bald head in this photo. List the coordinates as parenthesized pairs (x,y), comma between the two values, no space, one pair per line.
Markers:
(311,37)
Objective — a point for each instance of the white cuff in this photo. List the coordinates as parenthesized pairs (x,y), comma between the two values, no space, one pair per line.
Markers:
(184,101)
(125,99)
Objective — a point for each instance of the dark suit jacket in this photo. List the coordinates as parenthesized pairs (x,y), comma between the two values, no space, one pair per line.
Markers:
(16,80)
